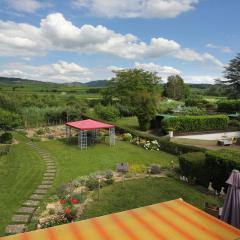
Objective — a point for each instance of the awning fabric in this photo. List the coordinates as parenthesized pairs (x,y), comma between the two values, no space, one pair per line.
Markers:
(173,220)
(88,124)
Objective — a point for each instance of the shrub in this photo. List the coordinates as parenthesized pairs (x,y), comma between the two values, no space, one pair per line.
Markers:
(229,106)
(194,111)
(175,148)
(219,165)
(234,123)
(108,113)
(40,131)
(192,166)
(215,166)
(127,137)
(195,101)
(6,138)
(196,123)
(92,183)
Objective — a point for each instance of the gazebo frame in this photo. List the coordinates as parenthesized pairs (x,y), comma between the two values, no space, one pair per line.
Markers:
(89,125)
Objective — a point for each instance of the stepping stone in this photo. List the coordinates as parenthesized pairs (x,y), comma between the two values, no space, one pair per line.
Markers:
(41,191)
(51,171)
(51,168)
(29,210)
(31,203)
(20,218)
(44,186)
(36,197)
(47,182)
(17,228)
(48,178)
(49,174)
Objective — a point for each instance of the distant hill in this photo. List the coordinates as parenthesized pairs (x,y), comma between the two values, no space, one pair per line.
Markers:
(19,81)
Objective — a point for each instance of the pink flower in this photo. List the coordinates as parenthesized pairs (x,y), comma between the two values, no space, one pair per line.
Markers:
(68,211)
(74,201)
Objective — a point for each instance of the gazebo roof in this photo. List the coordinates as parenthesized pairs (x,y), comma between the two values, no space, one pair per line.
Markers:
(170,220)
(88,124)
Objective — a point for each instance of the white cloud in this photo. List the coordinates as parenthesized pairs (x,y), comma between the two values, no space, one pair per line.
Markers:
(28,6)
(161,70)
(222,49)
(61,71)
(200,79)
(58,34)
(137,8)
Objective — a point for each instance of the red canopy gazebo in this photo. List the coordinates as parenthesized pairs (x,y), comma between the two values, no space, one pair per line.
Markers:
(89,125)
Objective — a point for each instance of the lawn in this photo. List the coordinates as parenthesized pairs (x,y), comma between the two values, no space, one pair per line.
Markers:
(72,162)
(142,192)
(20,173)
(129,122)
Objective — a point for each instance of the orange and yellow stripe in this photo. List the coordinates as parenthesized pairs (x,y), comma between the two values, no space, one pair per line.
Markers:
(173,220)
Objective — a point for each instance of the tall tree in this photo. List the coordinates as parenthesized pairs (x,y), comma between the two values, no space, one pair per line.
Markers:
(232,77)
(135,88)
(175,88)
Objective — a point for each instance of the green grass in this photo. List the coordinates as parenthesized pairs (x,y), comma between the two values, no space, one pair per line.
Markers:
(142,192)
(20,173)
(72,162)
(129,122)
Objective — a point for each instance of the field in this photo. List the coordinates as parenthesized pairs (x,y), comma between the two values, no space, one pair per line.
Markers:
(72,162)
(144,192)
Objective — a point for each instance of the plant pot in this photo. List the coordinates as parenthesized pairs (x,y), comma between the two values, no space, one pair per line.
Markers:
(170,134)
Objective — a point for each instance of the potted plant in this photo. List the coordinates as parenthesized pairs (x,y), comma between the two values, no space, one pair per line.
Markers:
(170,132)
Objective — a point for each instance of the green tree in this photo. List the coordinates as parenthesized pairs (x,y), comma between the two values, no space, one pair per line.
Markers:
(232,77)
(135,88)
(175,88)
(9,120)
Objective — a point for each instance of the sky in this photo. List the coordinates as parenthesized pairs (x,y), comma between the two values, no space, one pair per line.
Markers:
(85,40)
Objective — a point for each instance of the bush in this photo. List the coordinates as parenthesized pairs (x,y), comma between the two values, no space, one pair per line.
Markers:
(127,137)
(234,123)
(194,111)
(175,148)
(196,123)
(192,166)
(215,166)
(195,101)
(229,106)
(6,138)
(92,183)
(108,113)
(40,131)
(219,165)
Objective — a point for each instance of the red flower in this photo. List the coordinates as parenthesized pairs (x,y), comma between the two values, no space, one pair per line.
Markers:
(62,201)
(74,201)
(68,211)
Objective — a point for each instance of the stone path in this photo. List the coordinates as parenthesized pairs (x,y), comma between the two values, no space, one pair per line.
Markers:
(25,212)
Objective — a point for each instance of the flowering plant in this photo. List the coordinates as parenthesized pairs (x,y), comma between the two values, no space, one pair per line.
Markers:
(152,145)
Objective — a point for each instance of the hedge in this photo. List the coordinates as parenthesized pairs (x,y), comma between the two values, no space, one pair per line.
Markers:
(215,167)
(176,149)
(229,106)
(219,165)
(196,123)
(192,166)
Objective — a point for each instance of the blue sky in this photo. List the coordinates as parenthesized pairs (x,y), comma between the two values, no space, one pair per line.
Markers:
(84,40)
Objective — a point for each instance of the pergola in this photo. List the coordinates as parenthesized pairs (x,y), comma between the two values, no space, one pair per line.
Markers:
(89,125)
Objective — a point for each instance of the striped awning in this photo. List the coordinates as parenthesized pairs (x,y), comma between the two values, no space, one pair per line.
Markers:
(173,220)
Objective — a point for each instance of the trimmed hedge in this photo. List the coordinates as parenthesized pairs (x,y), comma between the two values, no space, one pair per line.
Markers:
(229,106)
(176,149)
(215,166)
(192,166)
(196,123)
(219,165)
